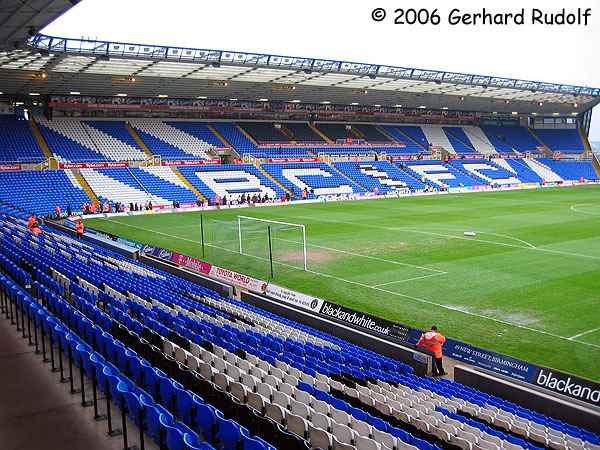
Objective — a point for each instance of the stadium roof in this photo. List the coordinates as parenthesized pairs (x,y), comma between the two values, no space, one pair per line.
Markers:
(54,65)
(21,19)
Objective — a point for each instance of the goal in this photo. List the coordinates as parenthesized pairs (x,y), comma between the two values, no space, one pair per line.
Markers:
(280,243)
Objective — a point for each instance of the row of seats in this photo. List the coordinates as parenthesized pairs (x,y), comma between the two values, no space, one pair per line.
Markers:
(206,361)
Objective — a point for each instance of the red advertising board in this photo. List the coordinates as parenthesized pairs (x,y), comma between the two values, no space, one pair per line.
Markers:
(191,162)
(94,165)
(9,167)
(402,157)
(281,160)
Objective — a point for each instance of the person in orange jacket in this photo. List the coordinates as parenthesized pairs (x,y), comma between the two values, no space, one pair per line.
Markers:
(79,229)
(433,341)
(33,224)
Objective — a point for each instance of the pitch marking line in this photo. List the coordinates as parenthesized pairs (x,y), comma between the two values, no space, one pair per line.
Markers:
(575,208)
(453,236)
(398,294)
(410,279)
(572,338)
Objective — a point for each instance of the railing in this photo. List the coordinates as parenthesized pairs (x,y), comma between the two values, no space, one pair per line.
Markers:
(107,49)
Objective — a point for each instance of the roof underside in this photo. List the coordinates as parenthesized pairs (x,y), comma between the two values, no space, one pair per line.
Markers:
(99,68)
(21,19)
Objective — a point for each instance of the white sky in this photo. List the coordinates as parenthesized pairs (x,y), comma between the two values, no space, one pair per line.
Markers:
(337,29)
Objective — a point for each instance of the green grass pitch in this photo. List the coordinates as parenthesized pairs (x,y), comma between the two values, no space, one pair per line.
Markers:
(528,285)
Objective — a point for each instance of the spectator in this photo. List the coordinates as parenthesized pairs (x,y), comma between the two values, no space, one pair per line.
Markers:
(79,229)
(58,212)
(433,341)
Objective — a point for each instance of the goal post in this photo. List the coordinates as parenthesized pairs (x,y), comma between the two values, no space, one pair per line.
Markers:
(283,243)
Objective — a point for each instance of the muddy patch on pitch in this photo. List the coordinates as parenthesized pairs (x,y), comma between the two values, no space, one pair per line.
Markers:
(314,256)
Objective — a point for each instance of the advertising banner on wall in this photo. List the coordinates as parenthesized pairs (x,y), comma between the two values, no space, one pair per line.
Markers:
(9,167)
(190,162)
(94,165)
(504,365)
(375,325)
(294,298)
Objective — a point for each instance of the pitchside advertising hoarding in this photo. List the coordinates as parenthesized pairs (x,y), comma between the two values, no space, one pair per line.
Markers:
(542,377)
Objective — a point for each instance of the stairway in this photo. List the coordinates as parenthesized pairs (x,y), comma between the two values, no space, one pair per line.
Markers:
(231,152)
(410,138)
(245,133)
(37,134)
(542,170)
(435,136)
(287,133)
(270,177)
(136,137)
(320,133)
(586,143)
(188,184)
(357,133)
(350,179)
(387,135)
(479,140)
(545,149)
(596,162)
(85,186)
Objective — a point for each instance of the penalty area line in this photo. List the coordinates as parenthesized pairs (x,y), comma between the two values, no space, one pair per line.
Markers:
(410,279)
(584,333)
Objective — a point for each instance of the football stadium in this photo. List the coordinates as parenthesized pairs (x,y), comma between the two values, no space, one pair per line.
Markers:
(212,249)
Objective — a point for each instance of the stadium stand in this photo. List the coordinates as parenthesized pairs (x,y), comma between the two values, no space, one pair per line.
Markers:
(480,141)
(459,140)
(199,130)
(520,169)
(565,141)
(162,181)
(380,175)
(120,185)
(231,180)
(318,177)
(303,133)
(335,131)
(17,144)
(371,133)
(236,138)
(437,137)
(68,140)
(112,138)
(509,139)
(41,191)
(196,370)
(264,132)
(77,140)
(411,136)
(487,172)
(571,170)
(439,174)
(170,142)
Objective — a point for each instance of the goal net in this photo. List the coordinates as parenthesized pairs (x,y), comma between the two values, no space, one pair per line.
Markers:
(281,243)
